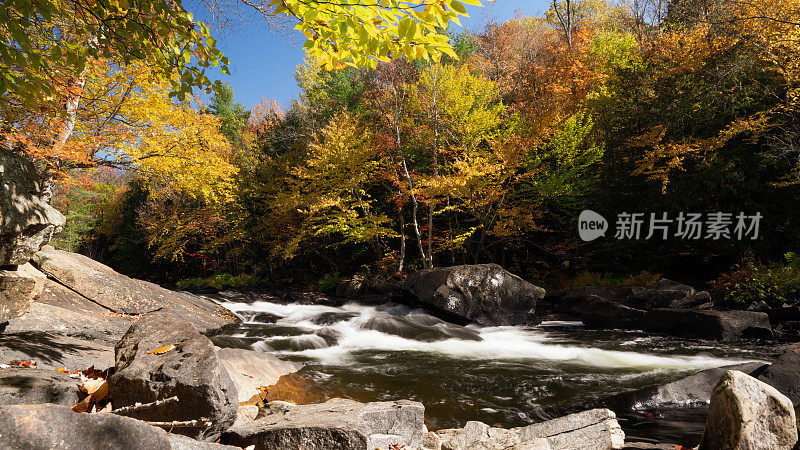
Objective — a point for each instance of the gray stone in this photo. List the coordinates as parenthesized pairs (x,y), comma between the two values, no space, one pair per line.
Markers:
(694,389)
(596,429)
(483,293)
(723,325)
(337,423)
(18,288)
(748,414)
(27,221)
(191,371)
(54,350)
(249,370)
(57,427)
(28,386)
(784,374)
(606,314)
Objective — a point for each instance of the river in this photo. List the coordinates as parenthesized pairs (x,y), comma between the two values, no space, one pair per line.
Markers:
(504,376)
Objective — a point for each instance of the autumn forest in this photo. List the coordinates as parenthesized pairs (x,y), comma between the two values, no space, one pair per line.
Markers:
(486,154)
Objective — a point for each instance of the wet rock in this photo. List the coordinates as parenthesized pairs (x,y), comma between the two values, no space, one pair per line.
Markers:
(337,423)
(605,314)
(784,374)
(18,287)
(27,221)
(484,293)
(249,370)
(191,370)
(748,414)
(263,317)
(724,325)
(24,386)
(690,390)
(699,300)
(596,429)
(55,426)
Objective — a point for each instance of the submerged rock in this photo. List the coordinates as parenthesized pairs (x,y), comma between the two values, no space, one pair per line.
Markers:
(18,287)
(24,386)
(747,414)
(27,221)
(483,293)
(159,358)
(54,426)
(724,325)
(337,423)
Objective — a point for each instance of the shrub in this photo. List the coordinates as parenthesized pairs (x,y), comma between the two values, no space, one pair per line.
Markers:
(328,282)
(774,284)
(220,281)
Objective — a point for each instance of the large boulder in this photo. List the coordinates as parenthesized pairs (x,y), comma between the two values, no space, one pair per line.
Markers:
(718,325)
(337,423)
(57,427)
(27,221)
(18,287)
(784,374)
(161,357)
(748,414)
(23,385)
(250,370)
(485,294)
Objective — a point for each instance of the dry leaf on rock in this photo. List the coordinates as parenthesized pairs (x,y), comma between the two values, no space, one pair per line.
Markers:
(162,350)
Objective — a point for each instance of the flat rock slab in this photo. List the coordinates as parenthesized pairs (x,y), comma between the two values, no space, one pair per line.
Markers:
(57,427)
(22,386)
(54,351)
(250,370)
(337,423)
(160,358)
(724,325)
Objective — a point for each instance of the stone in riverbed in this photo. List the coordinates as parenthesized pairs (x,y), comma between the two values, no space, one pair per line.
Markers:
(724,325)
(23,386)
(191,370)
(784,374)
(337,423)
(249,370)
(55,426)
(606,314)
(597,429)
(485,294)
(18,288)
(747,414)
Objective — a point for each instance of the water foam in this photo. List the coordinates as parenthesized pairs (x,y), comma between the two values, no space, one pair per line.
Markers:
(496,343)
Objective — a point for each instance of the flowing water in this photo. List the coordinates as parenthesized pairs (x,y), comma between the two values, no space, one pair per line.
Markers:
(505,376)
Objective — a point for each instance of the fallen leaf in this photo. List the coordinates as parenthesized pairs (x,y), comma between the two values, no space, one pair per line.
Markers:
(97,388)
(162,350)
(83,405)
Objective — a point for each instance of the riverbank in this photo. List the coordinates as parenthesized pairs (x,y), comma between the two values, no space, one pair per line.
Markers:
(364,345)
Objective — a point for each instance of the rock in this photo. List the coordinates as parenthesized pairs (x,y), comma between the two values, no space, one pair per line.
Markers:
(605,314)
(192,371)
(54,351)
(55,426)
(597,429)
(784,374)
(694,389)
(18,288)
(699,300)
(337,423)
(249,370)
(27,221)
(484,293)
(748,414)
(24,386)
(99,283)
(724,325)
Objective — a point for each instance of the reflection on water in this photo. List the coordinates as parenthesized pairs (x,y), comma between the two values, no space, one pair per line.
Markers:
(509,376)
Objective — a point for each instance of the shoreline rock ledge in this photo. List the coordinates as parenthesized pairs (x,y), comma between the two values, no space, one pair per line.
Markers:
(485,294)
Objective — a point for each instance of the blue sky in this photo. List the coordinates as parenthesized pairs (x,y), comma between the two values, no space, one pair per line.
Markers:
(262,63)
